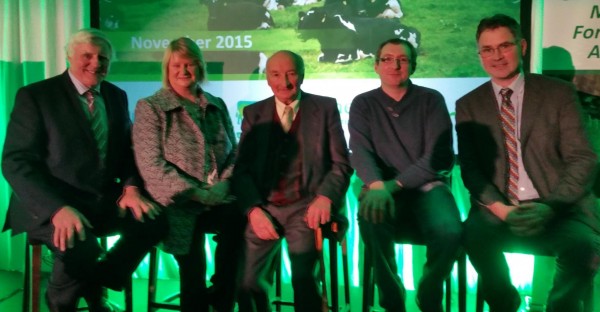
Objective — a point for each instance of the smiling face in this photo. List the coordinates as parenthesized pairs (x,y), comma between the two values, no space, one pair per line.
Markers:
(183,73)
(89,63)
(394,65)
(284,77)
(504,63)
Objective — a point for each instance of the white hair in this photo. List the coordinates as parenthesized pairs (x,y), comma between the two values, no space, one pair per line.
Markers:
(88,35)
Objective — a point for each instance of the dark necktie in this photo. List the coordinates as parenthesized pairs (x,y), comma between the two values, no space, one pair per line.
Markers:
(509,127)
(287,118)
(98,127)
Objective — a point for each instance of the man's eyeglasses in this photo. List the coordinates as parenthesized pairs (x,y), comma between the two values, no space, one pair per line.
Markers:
(388,60)
(486,52)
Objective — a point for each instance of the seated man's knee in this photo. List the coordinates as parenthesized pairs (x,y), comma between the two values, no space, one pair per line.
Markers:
(451,234)
(582,252)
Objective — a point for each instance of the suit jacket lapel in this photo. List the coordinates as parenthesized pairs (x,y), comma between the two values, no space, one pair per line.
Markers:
(491,114)
(266,112)
(529,110)
(111,118)
(310,133)
(263,122)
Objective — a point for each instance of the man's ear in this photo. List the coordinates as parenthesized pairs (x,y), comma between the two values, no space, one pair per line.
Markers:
(523,45)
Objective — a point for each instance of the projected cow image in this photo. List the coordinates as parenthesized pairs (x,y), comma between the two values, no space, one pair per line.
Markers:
(237,15)
(345,37)
(336,38)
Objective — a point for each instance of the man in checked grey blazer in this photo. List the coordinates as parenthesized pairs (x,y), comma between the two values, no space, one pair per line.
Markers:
(553,210)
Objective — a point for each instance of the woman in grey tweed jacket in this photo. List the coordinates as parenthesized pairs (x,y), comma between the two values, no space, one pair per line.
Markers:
(185,149)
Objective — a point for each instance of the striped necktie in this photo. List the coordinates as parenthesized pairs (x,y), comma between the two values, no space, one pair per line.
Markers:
(509,127)
(98,127)
(89,96)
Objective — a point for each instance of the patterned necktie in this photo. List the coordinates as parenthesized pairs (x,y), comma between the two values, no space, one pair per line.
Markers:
(287,118)
(509,127)
(98,127)
(89,96)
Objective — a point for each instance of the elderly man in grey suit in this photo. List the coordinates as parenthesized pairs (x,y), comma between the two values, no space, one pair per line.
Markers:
(529,168)
(291,174)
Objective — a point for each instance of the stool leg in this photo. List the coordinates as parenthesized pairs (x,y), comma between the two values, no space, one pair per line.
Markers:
(27,279)
(346,273)
(278,277)
(588,300)
(129,296)
(152,276)
(449,294)
(368,287)
(36,277)
(333,279)
(479,306)
(462,283)
(319,247)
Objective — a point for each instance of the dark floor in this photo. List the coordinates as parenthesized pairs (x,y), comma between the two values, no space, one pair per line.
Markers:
(11,286)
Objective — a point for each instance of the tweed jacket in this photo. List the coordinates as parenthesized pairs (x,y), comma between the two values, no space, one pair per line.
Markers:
(172,154)
(555,150)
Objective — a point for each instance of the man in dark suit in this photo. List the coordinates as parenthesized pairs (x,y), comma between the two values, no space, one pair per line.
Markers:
(291,174)
(529,168)
(68,158)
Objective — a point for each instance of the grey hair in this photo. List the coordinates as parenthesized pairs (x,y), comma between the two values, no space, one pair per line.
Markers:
(88,35)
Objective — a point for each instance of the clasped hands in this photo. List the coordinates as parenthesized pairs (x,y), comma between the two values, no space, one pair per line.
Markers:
(214,195)
(68,222)
(528,219)
(317,213)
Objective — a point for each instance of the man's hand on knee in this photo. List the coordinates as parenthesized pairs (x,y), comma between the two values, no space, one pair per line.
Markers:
(378,202)
(67,222)
(138,204)
(318,212)
(261,224)
(530,219)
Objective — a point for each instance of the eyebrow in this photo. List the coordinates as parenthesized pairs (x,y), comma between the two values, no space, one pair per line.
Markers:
(505,42)
(394,55)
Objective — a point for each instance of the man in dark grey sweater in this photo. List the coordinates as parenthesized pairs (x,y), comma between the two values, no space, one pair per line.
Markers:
(401,144)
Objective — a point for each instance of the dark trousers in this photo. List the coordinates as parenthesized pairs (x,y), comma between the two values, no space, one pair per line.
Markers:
(83,270)
(574,243)
(229,227)
(433,214)
(260,260)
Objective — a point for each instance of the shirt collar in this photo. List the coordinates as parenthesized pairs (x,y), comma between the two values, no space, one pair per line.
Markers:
(295,105)
(81,89)
(516,86)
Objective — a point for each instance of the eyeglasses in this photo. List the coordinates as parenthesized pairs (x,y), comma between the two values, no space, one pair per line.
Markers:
(388,60)
(486,52)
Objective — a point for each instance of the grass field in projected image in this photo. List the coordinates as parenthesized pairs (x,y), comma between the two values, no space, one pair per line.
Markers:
(447,36)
